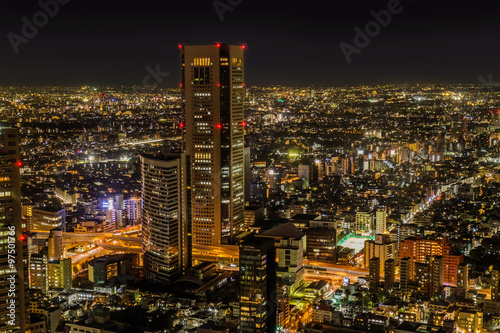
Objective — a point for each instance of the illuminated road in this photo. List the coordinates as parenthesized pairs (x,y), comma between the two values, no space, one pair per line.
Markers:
(87,254)
(120,245)
(145,142)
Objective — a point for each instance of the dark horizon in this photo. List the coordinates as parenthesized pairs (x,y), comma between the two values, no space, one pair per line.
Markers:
(111,44)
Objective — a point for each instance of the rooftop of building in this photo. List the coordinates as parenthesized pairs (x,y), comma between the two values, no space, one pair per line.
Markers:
(286,230)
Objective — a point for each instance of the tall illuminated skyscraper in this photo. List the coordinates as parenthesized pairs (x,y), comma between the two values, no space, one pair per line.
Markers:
(213,123)
(12,240)
(165,244)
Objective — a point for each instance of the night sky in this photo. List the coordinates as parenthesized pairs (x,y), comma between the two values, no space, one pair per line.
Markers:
(290,43)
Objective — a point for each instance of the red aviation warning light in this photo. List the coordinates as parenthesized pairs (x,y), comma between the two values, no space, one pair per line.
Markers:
(181,125)
(19,164)
(23,237)
(218,84)
(244,124)
(219,126)
(217,44)
(243,46)
(180,46)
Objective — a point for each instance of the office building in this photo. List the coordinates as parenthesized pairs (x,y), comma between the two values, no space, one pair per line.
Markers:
(253,214)
(213,125)
(321,244)
(47,218)
(12,237)
(165,234)
(257,285)
(290,245)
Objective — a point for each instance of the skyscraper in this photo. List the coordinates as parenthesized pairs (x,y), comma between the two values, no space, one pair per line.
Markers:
(257,285)
(12,240)
(213,124)
(165,242)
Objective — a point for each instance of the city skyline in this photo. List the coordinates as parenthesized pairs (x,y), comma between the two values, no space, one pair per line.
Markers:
(249,167)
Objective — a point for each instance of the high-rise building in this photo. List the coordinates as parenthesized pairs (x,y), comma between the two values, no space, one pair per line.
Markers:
(437,276)
(13,270)
(364,221)
(282,305)
(381,221)
(495,285)
(303,174)
(165,234)
(405,275)
(257,285)
(382,247)
(463,278)
(38,272)
(55,245)
(374,274)
(248,174)
(213,123)
(60,274)
(389,274)
(133,209)
(423,276)
(289,243)
(419,249)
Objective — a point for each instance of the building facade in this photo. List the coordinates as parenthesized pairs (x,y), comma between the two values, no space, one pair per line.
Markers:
(213,128)
(12,238)
(257,285)
(165,234)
